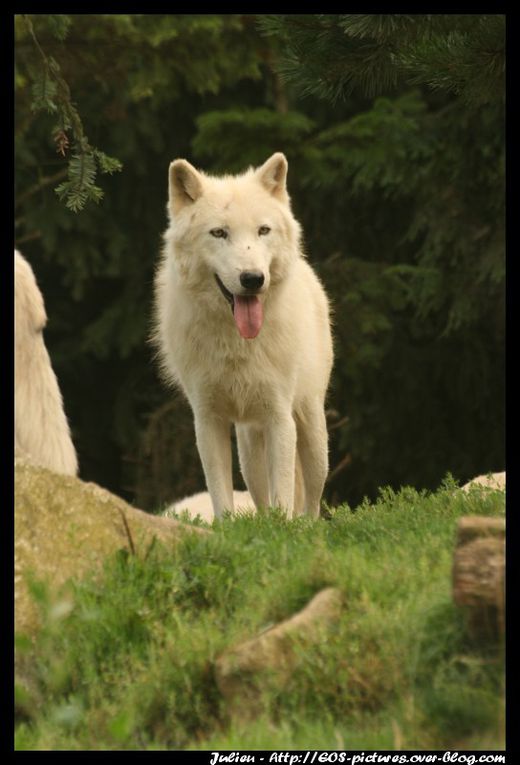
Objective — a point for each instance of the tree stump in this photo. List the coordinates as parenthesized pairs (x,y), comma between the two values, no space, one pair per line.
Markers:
(479,574)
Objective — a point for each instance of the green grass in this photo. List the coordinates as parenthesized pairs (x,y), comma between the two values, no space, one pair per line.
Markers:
(129,665)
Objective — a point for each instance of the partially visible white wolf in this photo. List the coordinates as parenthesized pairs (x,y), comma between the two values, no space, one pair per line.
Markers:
(200,505)
(242,326)
(41,428)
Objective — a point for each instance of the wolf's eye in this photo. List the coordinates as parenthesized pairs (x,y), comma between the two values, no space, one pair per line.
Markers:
(263,230)
(219,233)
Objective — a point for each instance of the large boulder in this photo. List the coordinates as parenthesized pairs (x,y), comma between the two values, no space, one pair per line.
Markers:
(65,528)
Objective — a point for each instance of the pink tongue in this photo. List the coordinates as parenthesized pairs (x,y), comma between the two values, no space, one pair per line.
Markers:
(249,315)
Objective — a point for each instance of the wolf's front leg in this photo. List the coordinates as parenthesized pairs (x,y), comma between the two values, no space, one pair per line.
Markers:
(253,463)
(214,445)
(280,435)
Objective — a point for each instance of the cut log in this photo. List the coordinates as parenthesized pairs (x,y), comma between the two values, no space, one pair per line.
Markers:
(479,573)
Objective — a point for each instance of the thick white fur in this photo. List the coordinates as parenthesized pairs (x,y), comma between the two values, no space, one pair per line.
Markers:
(201,505)
(272,387)
(41,428)
(495,481)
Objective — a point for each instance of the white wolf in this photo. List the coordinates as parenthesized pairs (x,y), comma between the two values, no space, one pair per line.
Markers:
(200,505)
(242,326)
(41,428)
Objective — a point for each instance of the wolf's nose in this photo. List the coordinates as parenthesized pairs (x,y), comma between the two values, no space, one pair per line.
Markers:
(251,280)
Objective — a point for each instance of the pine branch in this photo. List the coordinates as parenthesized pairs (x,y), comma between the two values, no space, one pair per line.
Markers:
(331,56)
(51,92)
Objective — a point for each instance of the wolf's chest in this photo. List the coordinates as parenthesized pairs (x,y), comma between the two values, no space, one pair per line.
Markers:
(242,387)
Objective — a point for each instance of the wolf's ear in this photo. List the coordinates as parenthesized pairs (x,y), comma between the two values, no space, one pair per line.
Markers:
(273,174)
(185,184)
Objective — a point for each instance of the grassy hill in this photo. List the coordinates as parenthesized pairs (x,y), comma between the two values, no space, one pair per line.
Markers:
(126,661)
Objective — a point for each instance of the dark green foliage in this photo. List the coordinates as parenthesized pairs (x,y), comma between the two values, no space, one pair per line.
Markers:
(330,56)
(396,172)
(242,127)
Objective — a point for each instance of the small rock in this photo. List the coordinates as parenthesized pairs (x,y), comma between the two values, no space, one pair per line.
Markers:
(241,671)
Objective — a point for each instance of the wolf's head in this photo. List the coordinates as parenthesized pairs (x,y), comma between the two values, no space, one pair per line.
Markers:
(233,236)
